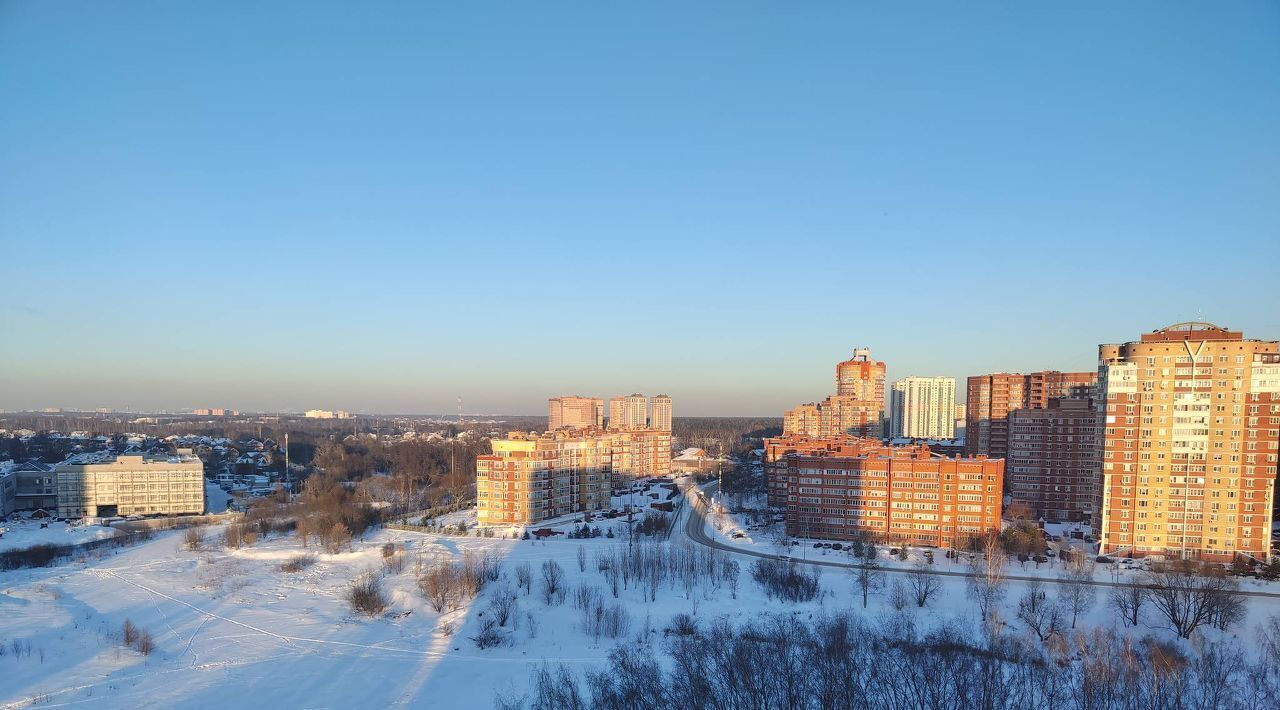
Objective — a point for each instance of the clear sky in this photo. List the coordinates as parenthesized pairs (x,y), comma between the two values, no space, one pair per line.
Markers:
(385,206)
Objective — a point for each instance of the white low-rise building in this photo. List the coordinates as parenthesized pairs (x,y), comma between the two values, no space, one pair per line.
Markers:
(130,484)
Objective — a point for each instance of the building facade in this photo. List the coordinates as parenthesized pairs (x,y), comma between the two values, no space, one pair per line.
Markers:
(130,484)
(1054,461)
(990,398)
(895,494)
(778,448)
(533,477)
(924,408)
(629,412)
(1191,415)
(856,409)
(8,488)
(660,413)
(575,412)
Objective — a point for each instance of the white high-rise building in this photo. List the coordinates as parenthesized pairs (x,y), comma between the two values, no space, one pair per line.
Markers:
(629,412)
(660,413)
(923,408)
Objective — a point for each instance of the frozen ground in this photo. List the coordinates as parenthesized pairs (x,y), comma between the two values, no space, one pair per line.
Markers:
(232,629)
(22,533)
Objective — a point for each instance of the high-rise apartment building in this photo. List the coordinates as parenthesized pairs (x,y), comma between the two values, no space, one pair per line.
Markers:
(660,413)
(924,408)
(629,412)
(99,485)
(902,494)
(856,409)
(640,452)
(574,411)
(990,398)
(1053,464)
(1191,415)
(531,477)
(861,377)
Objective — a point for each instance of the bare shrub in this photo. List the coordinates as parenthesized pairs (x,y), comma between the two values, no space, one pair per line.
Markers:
(610,621)
(193,538)
(366,595)
(503,605)
(129,633)
(582,558)
(585,597)
(785,580)
(524,577)
(145,644)
(441,584)
(553,584)
(336,538)
(489,635)
(297,563)
(683,625)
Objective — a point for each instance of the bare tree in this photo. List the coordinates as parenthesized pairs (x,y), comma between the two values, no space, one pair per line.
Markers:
(923,585)
(1188,594)
(524,577)
(553,590)
(867,574)
(1126,601)
(1041,617)
(1076,593)
(899,597)
(582,558)
(986,581)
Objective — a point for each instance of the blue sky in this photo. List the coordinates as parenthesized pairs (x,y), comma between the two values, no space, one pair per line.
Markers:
(381,207)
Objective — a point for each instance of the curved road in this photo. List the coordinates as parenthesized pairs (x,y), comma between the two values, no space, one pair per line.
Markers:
(695,529)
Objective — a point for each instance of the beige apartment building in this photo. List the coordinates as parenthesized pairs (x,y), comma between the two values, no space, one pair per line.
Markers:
(1191,419)
(575,412)
(641,452)
(660,412)
(856,409)
(94,485)
(629,412)
(533,477)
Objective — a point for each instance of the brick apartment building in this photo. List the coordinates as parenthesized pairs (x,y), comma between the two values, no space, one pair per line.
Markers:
(776,450)
(1192,420)
(990,399)
(1054,465)
(902,494)
(857,407)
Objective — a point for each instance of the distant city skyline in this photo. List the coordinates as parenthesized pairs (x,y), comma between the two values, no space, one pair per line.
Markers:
(326,206)
(807,386)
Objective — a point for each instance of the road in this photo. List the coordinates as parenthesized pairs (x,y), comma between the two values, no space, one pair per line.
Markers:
(696,531)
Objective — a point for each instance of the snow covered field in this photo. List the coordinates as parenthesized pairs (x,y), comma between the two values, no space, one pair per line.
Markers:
(232,628)
(27,533)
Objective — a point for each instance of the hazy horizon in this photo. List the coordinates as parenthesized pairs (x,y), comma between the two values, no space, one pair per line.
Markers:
(328,205)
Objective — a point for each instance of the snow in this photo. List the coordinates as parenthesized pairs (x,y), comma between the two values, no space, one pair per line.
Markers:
(215,498)
(233,629)
(22,532)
